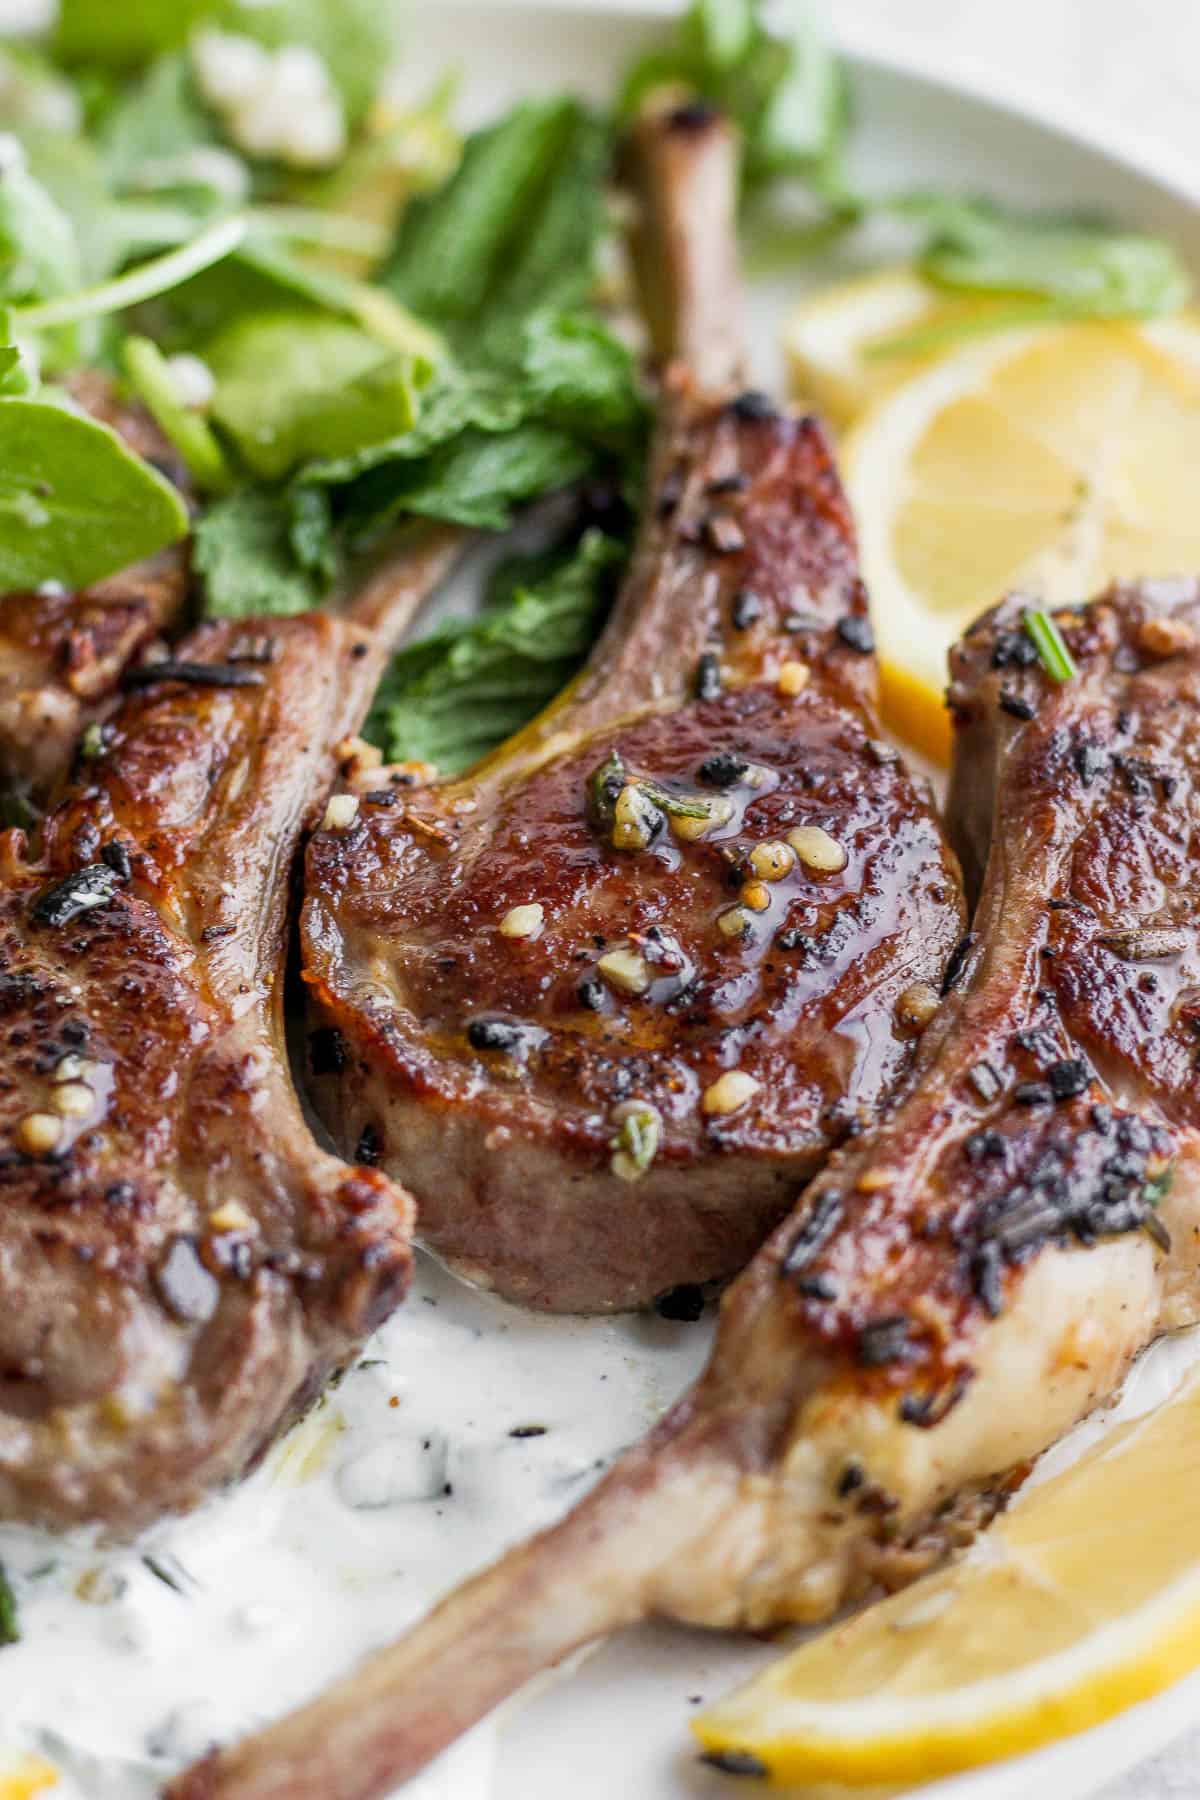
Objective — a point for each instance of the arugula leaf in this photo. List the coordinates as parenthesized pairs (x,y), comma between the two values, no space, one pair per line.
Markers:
(295,386)
(69,169)
(786,90)
(75,502)
(244,552)
(455,695)
(34,94)
(151,379)
(39,256)
(156,121)
(133,32)
(1085,266)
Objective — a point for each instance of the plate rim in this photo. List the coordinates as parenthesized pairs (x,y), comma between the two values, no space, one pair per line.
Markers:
(955,75)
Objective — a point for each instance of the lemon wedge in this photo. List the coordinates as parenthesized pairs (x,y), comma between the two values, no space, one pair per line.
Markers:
(1050,461)
(837,339)
(1082,1600)
(23,1777)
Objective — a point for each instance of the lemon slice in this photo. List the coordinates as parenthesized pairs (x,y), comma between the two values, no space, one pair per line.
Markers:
(1049,460)
(1084,1599)
(836,338)
(23,1777)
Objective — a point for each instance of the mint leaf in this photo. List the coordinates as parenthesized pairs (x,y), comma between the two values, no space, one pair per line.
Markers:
(479,479)
(458,693)
(75,503)
(466,246)
(576,374)
(243,551)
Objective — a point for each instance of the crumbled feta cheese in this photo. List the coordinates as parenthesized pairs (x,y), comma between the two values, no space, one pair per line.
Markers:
(280,104)
(229,69)
(193,381)
(12,153)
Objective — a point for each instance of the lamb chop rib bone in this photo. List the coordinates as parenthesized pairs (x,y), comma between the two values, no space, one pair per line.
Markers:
(180,1266)
(734,689)
(962,1283)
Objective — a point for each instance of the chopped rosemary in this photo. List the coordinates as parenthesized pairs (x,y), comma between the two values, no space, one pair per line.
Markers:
(10,1630)
(635,1143)
(1055,658)
(1157,1189)
(630,808)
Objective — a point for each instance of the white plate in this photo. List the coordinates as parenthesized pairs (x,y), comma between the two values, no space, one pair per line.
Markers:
(284,1583)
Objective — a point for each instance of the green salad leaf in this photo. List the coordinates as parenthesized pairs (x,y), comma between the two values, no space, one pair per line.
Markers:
(356,38)
(785,88)
(1089,269)
(39,255)
(453,254)
(75,503)
(150,377)
(462,690)
(244,550)
(296,386)
(487,442)
(478,478)
(10,1629)
(154,126)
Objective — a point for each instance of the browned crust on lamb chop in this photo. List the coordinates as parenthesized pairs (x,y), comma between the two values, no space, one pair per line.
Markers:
(640,830)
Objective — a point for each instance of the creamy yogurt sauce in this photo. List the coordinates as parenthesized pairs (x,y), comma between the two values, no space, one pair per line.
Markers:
(465,1425)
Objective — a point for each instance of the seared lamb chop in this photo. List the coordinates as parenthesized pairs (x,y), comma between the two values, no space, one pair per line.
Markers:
(62,654)
(180,1265)
(959,1286)
(605,1004)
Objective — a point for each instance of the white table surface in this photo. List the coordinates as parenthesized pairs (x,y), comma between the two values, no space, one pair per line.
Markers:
(1139,65)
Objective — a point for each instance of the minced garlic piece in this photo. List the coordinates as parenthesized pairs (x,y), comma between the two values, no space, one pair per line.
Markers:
(523,921)
(73,1099)
(231,1215)
(38,1133)
(691,827)
(1165,636)
(817,850)
(916,1006)
(793,678)
(625,969)
(340,813)
(772,861)
(729,1092)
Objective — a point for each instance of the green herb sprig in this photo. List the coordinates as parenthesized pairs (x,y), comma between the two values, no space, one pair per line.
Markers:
(1048,641)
